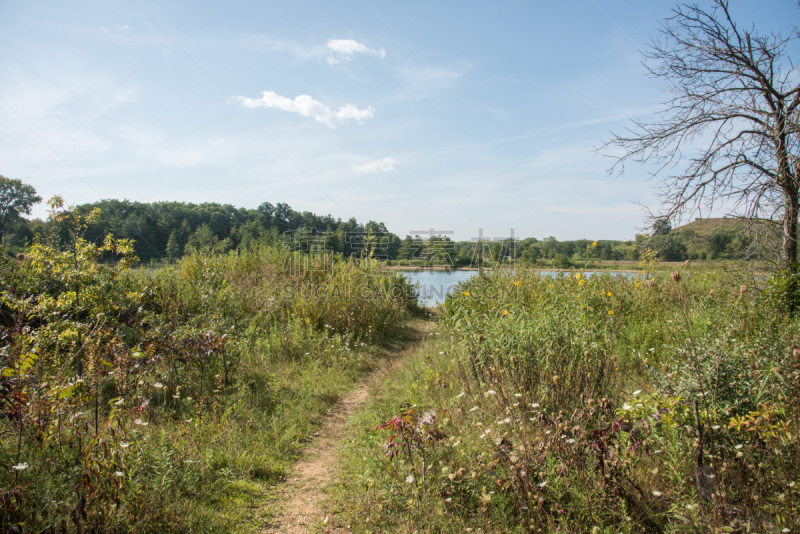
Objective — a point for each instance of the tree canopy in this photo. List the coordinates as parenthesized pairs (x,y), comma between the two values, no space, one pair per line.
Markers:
(16,199)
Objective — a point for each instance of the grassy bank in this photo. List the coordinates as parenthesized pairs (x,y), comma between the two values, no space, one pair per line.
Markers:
(170,399)
(604,404)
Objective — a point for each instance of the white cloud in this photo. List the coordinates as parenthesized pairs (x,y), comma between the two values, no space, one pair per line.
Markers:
(344,49)
(381,165)
(123,27)
(307,107)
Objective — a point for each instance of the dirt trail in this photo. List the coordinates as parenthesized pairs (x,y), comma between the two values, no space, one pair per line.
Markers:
(302,496)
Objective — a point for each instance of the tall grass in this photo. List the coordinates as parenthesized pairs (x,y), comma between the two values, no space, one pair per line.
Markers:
(600,404)
(199,381)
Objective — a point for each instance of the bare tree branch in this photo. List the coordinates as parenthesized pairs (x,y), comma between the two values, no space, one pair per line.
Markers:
(730,135)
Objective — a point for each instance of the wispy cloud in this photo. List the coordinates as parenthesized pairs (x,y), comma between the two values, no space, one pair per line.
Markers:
(422,82)
(380,165)
(307,107)
(345,49)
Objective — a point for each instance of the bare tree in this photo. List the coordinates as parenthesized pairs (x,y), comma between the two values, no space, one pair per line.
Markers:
(730,135)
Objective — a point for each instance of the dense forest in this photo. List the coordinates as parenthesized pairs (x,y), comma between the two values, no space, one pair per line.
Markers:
(168,230)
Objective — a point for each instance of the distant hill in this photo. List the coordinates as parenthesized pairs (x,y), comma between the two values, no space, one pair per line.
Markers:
(722,237)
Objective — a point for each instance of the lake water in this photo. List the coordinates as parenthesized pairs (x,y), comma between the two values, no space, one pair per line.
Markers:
(434,286)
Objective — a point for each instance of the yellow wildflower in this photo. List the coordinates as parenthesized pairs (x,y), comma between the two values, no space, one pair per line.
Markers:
(611,312)
(466,293)
(594,244)
(609,293)
(505,312)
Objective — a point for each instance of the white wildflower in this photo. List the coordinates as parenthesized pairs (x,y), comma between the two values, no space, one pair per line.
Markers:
(20,467)
(410,479)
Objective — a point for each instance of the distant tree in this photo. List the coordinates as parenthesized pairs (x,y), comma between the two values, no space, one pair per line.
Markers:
(669,248)
(717,243)
(561,261)
(662,226)
(203,239)
(530,255)
(16,199)
(731,131)
(173,250)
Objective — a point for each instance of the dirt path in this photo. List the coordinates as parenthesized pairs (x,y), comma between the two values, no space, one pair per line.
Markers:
(302,496)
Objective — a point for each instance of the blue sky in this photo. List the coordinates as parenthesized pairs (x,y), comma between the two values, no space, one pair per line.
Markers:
(457,116)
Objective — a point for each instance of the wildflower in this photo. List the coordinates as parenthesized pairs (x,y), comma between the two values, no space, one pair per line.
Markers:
(507,420)
(578,275)
(581,282)
(505,312)
(609,293)
(594,244)
(410,479)
(611,312)
(491,392)
(535,405)
(124,444)
(517,394)
(118,474)
(571,440)
(158,385)
(466,293)
(20,467)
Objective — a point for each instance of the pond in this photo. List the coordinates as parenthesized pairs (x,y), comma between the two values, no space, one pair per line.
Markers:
(434,286)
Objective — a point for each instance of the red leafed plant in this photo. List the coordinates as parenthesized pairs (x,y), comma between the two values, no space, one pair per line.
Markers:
(412,433)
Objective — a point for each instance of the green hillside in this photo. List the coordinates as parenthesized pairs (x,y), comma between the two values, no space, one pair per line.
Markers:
(729,238)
